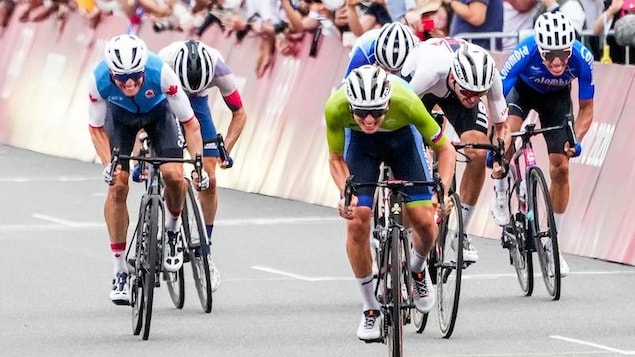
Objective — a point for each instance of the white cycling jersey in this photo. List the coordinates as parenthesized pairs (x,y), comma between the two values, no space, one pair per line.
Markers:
(428,66)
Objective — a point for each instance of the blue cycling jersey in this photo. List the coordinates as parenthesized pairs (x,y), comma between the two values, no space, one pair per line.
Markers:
(363,52)
(148,96)
(527,64)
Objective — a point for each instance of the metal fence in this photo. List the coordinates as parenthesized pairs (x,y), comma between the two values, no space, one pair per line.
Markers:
(586,35)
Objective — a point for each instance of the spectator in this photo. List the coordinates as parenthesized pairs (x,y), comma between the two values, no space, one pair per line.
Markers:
(473,16)
(430,19)
(363,17)
(518,16)
(6,9)
(612,13)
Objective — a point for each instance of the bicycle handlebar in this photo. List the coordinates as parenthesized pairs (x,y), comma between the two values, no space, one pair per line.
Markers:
(155,161)
(351,187)
(530,130)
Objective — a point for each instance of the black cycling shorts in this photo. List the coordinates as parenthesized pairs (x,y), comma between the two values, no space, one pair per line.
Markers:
(461,118)
(401,149)
(159,123)
(552,109)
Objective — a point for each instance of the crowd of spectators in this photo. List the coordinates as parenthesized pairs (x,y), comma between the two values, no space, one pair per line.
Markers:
(281,24)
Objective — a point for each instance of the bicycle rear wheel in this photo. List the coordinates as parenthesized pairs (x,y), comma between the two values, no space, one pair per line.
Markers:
(543,228)
(176,287)
(515,238)
(197,248)
(450,267)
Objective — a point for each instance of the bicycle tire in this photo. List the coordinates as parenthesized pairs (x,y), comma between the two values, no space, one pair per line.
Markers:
(544,233)
(196,241)
(450,268)
(137,278)
(395,329)
(519,247)
(152,261)
(176,287)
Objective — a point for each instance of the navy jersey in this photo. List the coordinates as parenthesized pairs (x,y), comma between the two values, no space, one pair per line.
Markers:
(527,64)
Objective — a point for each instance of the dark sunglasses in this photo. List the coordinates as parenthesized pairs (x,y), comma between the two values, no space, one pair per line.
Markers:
(469,94)
(553,54)
(126,76)
(363,113)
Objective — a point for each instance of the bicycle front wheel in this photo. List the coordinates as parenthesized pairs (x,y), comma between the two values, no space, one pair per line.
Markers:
(543,228)
(450,267)
(196,241)
(516,237)
(395,327)
(176,287)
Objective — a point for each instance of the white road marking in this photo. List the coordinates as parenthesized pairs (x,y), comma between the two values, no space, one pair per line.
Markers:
(60,224)
(297,276)
(49,179)
(591,344)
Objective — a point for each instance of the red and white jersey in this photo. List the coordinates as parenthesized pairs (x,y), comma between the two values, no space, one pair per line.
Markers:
(428,67)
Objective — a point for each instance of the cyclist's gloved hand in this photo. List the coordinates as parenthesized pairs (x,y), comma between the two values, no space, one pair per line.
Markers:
(136,174)
(228,163)
(490,159)
(578,150)
(108,175)
(203,183)
(573,151)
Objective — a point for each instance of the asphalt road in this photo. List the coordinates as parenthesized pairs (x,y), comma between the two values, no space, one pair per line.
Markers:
(286,290)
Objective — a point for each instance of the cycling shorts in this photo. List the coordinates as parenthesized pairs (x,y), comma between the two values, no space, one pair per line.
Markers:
(461,118)
(552,109)
(401,149)
(200,105)
(159,123)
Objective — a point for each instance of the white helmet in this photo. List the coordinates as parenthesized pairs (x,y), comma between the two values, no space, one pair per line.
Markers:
(394,42)
(126,54)
(194,66)
(473,68)
(368,87)
(553,31)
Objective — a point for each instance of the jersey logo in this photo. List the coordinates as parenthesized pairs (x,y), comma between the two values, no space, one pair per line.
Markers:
(149,93)
(92,99)
(172,89)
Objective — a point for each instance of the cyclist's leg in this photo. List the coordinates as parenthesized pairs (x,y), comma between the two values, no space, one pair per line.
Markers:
(208,198)
(363,162)
(409,162)
(115,208)
(553,112)
(167,141)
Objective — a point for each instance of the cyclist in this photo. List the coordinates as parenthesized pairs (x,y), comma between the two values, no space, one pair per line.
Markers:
(387,47)
(538,76)
(387,122)
(132,89)
(456,75)
(199,68)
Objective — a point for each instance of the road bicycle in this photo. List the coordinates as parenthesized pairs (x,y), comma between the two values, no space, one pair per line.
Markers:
(446,263)
(532,226)
(394,282)
(196,245)
(145,253)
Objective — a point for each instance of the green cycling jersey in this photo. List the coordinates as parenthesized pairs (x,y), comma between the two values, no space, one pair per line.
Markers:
(405,108)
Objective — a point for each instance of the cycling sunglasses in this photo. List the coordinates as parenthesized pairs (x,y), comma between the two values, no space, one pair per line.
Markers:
(126,76)
(363,113)
(469,94)
(550,55)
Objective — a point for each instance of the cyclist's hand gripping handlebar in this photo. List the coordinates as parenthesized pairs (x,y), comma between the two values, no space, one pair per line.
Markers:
(226,160)
(498,156)
(574,149)
(111,169)
(349,190)
(203,177)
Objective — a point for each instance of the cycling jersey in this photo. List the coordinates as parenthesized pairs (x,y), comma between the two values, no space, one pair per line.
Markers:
(428,66)
(160,83)
(363,51)
(526,64)
(405,108)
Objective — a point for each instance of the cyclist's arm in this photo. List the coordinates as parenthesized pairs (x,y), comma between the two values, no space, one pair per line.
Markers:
(586,91)
(224,81)
(335,138)
(497,106)
(96,119)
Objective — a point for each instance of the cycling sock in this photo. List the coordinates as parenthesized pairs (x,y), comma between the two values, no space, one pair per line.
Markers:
(559,218)
(119,257)
(417,262)
(367,288)
(501,185)
(467,212)
(209,228)
(173,222)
